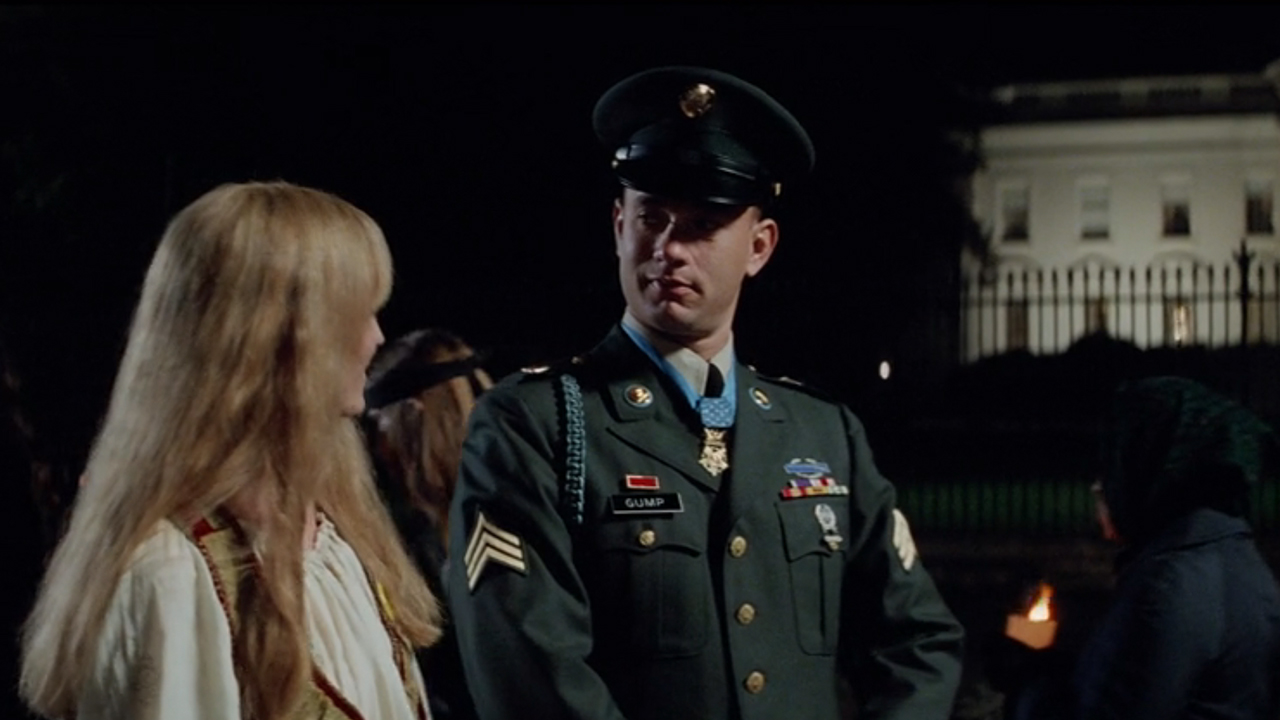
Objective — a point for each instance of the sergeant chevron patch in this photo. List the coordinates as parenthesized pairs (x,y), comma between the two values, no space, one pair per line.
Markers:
(902,540)
(489,543)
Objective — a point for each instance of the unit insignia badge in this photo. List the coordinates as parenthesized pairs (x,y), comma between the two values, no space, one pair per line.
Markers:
(830,528)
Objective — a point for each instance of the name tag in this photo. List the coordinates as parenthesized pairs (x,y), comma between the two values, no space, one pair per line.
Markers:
(646,503)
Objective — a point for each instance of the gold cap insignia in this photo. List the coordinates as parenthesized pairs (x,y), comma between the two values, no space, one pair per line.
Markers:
(639,396)
(697,100)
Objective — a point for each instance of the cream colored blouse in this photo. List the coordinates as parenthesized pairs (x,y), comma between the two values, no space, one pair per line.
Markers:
(165,649)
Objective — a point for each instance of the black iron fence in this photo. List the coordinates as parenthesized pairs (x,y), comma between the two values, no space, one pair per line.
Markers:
(1032,507)
(1043,311)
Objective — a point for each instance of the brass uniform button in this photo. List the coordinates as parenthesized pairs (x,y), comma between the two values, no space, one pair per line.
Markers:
(738,546)
(746,613)
(647,538)
(754,682)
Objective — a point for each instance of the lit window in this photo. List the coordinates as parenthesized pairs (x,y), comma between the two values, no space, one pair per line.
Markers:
(1015,202)
(1095,211)
(1179,322)
(1175,208)
(1259,206)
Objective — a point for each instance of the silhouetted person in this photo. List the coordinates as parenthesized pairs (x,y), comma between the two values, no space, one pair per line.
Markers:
(1193,631)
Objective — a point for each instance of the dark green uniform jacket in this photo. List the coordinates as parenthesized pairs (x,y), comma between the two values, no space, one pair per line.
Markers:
(742,604)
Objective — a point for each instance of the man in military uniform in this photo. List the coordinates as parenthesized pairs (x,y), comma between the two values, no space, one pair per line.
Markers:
(656,531)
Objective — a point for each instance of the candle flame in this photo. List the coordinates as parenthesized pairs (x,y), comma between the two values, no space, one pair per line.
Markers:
(1039,611)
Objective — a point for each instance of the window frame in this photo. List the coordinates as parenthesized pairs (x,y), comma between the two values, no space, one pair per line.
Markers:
(1003,211)
(1084,214)
(1175,189)
(1269,200)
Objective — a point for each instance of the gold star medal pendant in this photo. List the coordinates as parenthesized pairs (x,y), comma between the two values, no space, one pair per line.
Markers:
(715,451)
(716,411)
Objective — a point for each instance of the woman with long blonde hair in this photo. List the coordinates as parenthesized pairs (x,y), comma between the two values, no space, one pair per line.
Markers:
(229,555)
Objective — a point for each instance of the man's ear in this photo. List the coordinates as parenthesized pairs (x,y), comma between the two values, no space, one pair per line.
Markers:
(764,238)
(617,225)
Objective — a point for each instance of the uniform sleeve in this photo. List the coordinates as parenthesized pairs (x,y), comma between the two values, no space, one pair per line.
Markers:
(165,651)
(519,607)
(901,645)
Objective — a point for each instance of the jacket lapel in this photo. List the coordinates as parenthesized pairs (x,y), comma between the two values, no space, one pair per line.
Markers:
(662,427)
(758,446)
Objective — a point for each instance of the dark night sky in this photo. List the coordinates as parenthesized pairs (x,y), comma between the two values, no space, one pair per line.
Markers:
(465,131)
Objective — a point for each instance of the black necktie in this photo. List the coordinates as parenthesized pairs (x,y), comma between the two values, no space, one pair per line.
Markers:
(716,411)
(715,382)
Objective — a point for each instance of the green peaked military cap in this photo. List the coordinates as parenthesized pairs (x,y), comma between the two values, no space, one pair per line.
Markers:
(694,133)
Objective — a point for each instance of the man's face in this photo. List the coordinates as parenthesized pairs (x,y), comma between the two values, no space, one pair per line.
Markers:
(1103,513)
(682,263)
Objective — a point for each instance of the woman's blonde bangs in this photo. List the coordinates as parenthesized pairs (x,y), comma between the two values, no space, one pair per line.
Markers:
(358,261)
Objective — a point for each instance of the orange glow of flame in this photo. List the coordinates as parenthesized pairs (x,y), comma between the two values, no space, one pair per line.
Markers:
(1039,611)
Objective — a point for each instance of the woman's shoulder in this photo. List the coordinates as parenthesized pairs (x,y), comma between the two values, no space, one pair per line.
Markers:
(166,557)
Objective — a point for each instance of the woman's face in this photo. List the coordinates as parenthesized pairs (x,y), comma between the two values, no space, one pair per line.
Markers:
(1103,513)
(358,363)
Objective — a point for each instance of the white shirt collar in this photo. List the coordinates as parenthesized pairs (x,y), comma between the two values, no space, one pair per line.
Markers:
(688,363)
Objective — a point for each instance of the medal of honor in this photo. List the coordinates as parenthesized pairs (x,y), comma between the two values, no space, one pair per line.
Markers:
(715,453)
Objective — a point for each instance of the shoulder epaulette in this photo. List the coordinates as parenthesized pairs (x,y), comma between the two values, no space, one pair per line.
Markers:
(793,384)
(551,370)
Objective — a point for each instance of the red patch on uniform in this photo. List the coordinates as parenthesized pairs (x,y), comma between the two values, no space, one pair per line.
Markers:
(642,482)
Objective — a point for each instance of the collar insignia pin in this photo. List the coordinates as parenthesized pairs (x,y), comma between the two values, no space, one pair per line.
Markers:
(639,396)
(760,398)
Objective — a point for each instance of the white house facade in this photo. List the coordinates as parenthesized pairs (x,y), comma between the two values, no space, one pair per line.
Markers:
(1144,208)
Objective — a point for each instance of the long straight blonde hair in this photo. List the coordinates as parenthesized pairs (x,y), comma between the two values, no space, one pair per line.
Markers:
(230,385)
